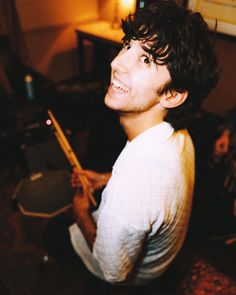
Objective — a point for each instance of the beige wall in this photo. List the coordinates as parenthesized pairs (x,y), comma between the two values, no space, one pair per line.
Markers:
(107,8)
(49,27)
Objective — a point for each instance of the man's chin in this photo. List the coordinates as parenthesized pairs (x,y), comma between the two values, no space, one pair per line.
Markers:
(112,104)
(108,102)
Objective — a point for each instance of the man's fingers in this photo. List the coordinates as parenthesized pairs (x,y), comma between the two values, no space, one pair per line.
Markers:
(79,191)
(75,182)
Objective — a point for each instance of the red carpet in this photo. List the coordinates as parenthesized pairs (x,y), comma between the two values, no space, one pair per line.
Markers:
(204,279)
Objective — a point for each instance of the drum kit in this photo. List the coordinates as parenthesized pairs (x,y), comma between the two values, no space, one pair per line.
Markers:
(48,193)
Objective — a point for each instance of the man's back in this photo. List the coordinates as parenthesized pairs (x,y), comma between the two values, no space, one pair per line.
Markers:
(143,217)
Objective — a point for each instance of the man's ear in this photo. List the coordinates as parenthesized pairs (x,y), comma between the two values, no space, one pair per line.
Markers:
(173,98)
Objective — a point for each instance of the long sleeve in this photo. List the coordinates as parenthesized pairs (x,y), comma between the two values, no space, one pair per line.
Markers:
(117,246)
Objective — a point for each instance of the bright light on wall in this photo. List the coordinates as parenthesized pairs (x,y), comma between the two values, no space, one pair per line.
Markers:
(121,9)
(127,6)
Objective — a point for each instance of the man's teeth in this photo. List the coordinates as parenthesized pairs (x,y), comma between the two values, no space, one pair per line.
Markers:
(116,84)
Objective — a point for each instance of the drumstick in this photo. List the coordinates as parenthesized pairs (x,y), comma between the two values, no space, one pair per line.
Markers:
(70,156)
(69,153)
(66,147)
(82,178)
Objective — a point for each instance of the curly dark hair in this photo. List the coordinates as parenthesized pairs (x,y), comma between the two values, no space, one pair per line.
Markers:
(180,39)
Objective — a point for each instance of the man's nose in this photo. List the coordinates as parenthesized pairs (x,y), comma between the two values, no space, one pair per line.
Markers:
(123,61)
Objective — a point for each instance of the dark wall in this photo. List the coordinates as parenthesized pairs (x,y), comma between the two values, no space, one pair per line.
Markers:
(223,97)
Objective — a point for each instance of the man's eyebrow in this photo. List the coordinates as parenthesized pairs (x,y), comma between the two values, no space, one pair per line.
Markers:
(150,52)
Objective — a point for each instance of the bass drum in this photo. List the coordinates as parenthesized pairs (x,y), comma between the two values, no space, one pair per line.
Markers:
(45,193)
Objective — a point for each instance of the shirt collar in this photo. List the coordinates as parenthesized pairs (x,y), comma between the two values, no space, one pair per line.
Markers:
(154,135)
(159,132)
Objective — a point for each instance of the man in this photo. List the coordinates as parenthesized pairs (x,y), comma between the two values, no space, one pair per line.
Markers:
(160,77)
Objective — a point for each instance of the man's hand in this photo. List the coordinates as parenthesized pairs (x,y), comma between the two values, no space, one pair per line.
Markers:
(96,180)
(81,203)
(222,144)
(81,206)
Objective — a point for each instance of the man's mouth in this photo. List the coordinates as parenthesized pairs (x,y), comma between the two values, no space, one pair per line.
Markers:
(118,86)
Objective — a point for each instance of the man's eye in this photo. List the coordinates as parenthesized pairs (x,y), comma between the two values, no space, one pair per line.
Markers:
(145,59)
(126,45)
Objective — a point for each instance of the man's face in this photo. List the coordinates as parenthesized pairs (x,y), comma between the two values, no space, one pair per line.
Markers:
(136,80)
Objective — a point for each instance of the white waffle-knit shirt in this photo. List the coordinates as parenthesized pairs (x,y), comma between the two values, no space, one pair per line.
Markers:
(143,216)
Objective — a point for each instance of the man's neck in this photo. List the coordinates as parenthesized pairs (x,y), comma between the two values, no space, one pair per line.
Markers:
(135,124)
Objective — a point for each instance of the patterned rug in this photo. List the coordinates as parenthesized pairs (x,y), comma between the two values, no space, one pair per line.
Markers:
(204,279)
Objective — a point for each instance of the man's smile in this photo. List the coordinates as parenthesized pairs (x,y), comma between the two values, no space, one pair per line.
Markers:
(118,86)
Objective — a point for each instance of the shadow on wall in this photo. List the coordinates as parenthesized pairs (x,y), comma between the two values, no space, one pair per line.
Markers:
(46,44)
(63,65)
